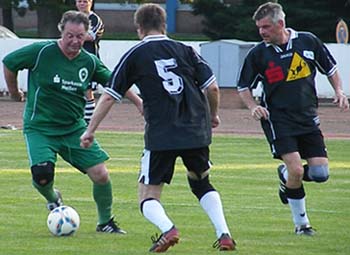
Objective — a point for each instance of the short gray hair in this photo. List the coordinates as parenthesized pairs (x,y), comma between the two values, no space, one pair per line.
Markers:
(272,10)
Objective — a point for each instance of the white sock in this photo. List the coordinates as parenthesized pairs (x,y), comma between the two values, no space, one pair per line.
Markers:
(211,203)
(297,206)
(298,209)
(154,212)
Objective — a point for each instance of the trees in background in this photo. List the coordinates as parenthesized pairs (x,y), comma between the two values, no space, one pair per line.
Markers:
(49,13)
(234,21)
(7,6)
(221,21)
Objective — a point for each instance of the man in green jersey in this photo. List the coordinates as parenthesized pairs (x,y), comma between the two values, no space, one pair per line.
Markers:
(59,74)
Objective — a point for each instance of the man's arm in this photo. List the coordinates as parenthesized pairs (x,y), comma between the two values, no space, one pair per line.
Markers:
(340,98)
(256,110)
(103,106)
(137,101)
(12,85)
(213,95)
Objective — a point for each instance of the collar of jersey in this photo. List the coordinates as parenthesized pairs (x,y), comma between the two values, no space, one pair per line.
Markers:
(154,38)
(293,35)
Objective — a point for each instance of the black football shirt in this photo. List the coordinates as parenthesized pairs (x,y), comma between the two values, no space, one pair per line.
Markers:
(171,78)
(287,74)
(96,31)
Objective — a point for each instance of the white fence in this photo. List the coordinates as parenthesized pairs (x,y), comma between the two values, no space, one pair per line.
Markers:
(111,52)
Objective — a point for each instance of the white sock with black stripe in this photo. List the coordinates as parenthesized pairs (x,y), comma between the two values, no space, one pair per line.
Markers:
(153,211)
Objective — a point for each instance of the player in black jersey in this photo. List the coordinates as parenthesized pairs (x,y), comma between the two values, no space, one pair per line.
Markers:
(286,63)
(91,44)
(96,29)
(180,97)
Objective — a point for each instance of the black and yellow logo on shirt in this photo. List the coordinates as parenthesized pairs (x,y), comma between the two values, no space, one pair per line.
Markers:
(298,68)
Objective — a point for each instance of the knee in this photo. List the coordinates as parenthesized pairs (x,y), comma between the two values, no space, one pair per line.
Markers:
(98,175)
(296,174)
(319,173)
(43,173)
(200,187)
(101,177)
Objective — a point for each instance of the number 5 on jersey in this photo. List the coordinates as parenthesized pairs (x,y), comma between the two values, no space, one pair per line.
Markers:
(171,81)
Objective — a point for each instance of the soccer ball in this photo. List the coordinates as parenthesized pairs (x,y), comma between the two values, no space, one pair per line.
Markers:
(63,221)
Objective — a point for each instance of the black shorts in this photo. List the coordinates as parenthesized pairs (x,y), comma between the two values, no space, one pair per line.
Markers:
(158,166)
(308,145)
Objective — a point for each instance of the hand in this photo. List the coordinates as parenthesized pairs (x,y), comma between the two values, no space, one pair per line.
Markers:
(18,96)
(215,121)
(341,101)
(140,108)
(86,139)
(259,112)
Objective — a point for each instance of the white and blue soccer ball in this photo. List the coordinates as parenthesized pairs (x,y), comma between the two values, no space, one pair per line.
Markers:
(63,221)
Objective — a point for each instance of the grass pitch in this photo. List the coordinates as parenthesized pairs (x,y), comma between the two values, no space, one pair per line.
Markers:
(243,173)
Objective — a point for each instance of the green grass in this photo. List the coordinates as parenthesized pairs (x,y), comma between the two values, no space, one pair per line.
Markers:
(243,172)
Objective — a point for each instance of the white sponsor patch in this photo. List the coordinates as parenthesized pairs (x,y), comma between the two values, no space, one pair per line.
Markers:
(83,74)
(309,54)
(56,79)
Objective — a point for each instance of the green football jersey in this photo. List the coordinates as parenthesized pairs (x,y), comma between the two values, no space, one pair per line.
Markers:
(56,86)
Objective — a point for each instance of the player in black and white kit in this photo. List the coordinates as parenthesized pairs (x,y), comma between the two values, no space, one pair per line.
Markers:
(286,63)
(180,99)
(95,33)
(91,44)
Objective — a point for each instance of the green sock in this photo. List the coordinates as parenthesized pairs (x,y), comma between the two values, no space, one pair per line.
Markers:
(47,191)
(103,197)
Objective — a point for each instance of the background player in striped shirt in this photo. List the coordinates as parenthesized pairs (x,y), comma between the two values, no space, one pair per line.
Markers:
(91,44)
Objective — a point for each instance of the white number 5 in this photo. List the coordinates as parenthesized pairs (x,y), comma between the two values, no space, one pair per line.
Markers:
(171,81)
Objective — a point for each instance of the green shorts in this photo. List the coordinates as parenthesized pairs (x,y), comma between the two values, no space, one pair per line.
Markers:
(42,148)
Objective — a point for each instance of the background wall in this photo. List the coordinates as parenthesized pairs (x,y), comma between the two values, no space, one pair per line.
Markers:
(111,52)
